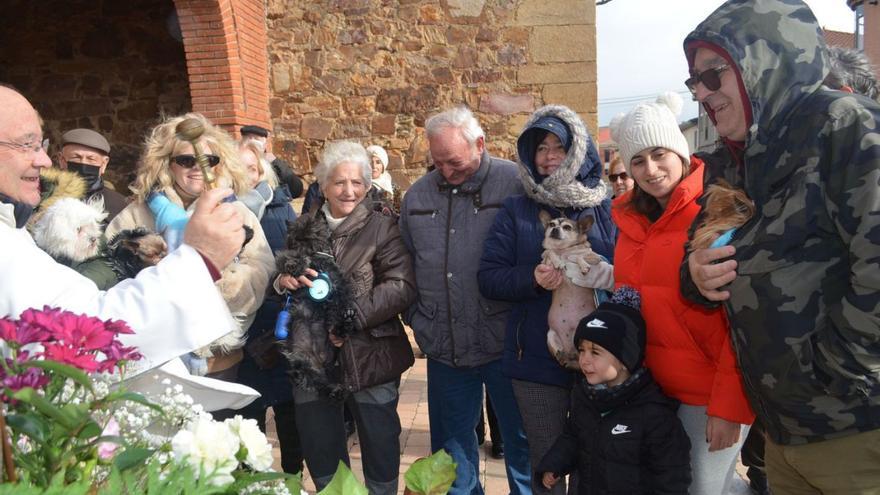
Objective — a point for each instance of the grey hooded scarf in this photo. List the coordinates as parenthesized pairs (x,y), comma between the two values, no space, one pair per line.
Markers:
(577,183)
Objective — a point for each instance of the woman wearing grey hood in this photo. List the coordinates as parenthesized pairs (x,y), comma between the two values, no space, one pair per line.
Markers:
(561,174)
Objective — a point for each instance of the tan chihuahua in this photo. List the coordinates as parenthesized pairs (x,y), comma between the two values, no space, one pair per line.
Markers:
(566,247)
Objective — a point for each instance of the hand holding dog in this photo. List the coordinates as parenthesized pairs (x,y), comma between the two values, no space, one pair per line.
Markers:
(548,277)
(291,282)
(216,230)
(708,276)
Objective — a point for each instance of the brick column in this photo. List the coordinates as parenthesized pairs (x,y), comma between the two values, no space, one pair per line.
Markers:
(227,63)
(872,34)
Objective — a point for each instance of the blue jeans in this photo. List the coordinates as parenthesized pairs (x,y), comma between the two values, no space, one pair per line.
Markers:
(455,398)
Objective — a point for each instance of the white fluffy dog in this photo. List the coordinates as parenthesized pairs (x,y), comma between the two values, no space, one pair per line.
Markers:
(70,230)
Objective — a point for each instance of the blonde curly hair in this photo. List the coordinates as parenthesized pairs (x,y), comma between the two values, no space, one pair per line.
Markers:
(161,144)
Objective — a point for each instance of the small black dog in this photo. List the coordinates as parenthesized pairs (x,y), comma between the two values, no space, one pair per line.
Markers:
(132,250)
(313,358)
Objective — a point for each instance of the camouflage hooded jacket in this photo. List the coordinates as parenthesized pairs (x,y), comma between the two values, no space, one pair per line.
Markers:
(805,306)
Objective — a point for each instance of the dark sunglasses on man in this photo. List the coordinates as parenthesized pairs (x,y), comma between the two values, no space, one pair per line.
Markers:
(614,177)
(189,161)
(711,78)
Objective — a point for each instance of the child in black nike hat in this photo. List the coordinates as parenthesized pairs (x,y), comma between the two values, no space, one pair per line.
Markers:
(622,434)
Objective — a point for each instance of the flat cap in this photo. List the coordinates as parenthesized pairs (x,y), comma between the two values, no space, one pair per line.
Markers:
(255,130)
(86,137)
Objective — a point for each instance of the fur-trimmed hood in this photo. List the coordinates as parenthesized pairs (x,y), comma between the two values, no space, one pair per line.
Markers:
(577,183)
(56,184)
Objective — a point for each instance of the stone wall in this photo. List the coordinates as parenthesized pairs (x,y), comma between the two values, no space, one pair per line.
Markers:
(103,64)
(374,70)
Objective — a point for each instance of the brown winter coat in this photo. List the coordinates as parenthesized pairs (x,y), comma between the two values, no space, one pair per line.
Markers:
(370,251)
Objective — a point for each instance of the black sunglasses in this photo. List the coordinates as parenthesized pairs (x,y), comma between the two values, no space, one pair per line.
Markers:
(614,177)
(189,161)
(711,78)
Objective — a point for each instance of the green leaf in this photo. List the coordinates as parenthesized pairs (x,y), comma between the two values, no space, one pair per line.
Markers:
(90,430)
(431,475)
(243,481)
(67,371)
(130,457)
(42,405)
(294,483)
(29,424)
(19,489)
(344,483)
(121,395)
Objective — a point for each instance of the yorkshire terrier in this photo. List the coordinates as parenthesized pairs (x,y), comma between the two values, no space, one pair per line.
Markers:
(566,247)
(314,363)
(132,250)
(725,208)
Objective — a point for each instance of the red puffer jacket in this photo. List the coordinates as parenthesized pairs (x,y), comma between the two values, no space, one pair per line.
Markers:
(689,349)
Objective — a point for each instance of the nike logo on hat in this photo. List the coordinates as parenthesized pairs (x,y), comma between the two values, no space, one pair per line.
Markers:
(617,430)
(596,323)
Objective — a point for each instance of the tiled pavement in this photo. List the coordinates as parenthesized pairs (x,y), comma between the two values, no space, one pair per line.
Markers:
(414,439)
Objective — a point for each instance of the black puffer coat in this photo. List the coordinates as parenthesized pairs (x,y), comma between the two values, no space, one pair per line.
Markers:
(626,439)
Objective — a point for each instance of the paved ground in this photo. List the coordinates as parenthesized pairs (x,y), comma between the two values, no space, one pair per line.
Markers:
(415,443)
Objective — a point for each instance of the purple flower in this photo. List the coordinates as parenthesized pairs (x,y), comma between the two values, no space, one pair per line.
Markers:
(32,377)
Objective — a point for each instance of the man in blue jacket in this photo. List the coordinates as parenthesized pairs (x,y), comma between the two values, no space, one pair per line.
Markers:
(444,219)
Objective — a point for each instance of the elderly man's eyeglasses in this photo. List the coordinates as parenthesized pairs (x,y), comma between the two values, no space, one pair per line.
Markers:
(189,161)
(33,147)
(711,78)
(614,177)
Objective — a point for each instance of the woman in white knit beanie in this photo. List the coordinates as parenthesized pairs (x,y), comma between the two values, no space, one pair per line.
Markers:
(688,347)
(384,190)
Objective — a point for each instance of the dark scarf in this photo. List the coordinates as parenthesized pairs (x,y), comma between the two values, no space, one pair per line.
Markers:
(20,211)
(607,398)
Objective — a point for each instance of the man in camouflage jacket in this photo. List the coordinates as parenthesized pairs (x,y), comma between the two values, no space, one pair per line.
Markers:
(802,289)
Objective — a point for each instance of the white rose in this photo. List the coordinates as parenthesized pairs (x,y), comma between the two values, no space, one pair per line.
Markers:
(207,445)
(259,451)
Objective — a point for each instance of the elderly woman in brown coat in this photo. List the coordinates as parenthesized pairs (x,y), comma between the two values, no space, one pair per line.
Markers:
(369,250)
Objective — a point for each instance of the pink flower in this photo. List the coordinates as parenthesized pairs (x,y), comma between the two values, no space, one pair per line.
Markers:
(118,327)
(8,330)
(107,449)
(68,355)
(115,352)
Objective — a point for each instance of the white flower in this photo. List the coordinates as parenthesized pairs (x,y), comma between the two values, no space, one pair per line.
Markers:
(259,452)
(207,445)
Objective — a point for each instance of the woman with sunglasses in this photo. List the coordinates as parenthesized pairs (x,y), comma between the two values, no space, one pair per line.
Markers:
(688,346)
(167,186)
(620,181)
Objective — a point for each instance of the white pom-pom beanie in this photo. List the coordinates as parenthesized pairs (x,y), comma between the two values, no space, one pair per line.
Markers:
(650,125)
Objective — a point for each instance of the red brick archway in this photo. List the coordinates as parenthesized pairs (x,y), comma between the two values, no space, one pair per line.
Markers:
(226,59)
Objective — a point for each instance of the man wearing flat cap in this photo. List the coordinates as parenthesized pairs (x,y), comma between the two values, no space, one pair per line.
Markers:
(283,169)
(87,153)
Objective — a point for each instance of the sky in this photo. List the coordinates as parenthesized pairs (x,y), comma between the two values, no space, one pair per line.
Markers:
(640,48)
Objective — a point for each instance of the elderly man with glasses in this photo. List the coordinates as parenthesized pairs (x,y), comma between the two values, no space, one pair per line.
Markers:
(801,279)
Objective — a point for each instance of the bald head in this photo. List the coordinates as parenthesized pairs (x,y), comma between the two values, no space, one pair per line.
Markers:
(21,153)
